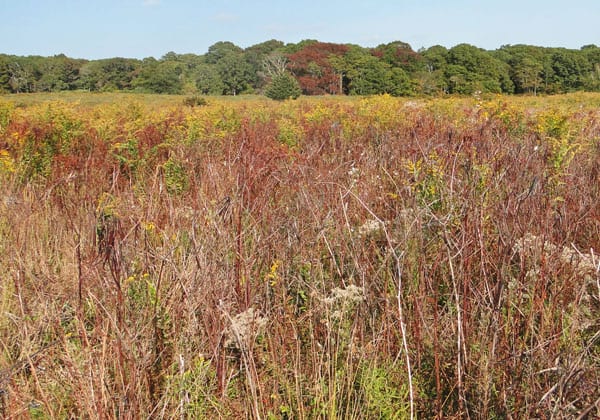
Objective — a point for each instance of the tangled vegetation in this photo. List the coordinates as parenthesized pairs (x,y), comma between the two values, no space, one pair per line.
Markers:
(321,258)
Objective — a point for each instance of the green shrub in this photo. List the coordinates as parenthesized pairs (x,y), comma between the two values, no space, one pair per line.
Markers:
(283,86)
(175,177)
(195,100)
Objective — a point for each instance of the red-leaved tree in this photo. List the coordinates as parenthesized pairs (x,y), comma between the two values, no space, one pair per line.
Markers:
(312,68)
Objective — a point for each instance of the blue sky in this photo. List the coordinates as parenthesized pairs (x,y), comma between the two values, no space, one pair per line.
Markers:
(142,28)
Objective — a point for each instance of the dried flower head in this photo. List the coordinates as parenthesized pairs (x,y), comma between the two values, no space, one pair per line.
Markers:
(244,328)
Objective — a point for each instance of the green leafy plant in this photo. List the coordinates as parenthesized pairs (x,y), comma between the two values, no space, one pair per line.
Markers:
(176,177)
(385,392)
(193,101)
(283,86)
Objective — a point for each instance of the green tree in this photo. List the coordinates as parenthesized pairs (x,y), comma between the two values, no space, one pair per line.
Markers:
(186,67)
(459,79)
(399,83)
(208,80)
(471,69)
(283,86)
(159,77)
(292,48)
(527,74)
(526,66)
(365,74)
(431,79)
(220,50)
(592,80)
(435,58)
(58,73)
(108,74)
(362,73)
(21,75)
(236,73)
(4,74)
(569,69)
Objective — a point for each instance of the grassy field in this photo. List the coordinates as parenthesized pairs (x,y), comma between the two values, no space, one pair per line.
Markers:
(351,258)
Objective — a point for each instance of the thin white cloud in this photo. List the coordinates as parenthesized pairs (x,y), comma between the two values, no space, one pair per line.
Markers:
(151,2)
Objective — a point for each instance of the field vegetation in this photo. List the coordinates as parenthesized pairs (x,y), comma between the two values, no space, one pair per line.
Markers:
(351,258)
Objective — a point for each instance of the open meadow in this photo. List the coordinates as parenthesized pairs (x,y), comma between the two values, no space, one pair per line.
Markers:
(349,258)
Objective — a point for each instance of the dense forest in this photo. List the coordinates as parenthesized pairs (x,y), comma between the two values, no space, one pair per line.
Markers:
(317,68)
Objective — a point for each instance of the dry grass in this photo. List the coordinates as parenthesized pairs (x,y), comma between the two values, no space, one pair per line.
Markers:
(324,258)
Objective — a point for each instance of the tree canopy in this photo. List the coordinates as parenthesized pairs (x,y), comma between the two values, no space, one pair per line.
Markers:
(283,86)
(320,68)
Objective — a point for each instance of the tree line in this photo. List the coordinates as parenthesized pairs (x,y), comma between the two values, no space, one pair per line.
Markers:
(311,67)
